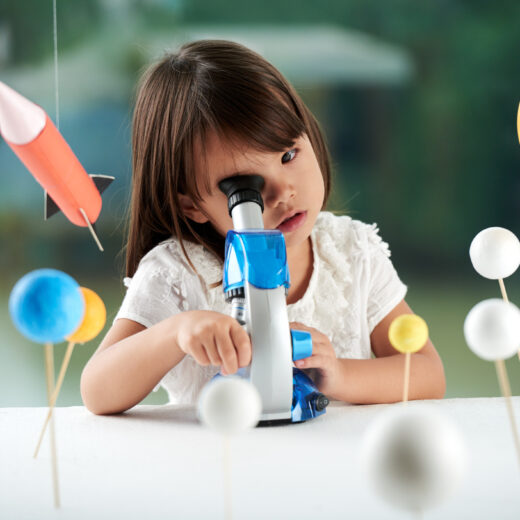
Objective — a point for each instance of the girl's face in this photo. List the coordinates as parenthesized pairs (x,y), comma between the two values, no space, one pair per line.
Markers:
(293,186)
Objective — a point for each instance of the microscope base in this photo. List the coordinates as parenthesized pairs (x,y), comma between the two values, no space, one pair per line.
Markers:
(308,402)
(274,422)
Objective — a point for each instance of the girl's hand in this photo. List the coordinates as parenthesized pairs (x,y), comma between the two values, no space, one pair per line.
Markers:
(213,338)
(323,359)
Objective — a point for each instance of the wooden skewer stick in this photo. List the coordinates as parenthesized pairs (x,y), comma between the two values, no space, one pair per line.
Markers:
(91,229)
(49,371)
(506,392)
(54,396)
(228,512)
(503,289)
(406,386)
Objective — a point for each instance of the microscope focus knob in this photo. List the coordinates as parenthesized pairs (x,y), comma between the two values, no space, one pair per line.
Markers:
(301,344)
(321,402)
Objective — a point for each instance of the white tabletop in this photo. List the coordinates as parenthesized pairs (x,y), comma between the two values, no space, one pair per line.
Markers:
(159,462)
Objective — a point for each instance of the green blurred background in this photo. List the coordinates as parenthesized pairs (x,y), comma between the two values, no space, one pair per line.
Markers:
(418,102)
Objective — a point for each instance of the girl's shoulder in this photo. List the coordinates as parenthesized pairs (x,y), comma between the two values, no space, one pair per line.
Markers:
(164,256)
(347,235)
(163,284)
(168,260)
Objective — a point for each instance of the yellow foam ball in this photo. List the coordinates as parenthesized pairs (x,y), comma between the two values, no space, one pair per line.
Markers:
(93,320)
(408,333)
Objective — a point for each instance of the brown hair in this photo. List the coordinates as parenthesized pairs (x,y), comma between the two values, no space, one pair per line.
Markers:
(208,85)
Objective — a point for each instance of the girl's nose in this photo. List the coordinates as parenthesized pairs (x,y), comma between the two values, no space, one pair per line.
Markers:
(278,191)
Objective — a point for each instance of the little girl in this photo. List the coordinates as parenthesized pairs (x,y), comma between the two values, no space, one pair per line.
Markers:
(215,110)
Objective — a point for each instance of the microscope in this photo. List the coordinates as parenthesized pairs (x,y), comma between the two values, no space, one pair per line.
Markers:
(256,282)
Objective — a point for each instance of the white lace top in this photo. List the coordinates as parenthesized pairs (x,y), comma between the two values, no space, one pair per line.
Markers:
(353,286)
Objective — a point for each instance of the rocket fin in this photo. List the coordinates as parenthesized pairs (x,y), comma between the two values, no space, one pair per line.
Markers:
(102,182)
(50,207)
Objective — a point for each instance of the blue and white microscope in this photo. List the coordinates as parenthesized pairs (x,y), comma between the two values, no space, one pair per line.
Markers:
(256,282)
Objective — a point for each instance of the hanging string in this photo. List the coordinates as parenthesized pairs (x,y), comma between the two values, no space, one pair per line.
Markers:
(55,23)
(57,93)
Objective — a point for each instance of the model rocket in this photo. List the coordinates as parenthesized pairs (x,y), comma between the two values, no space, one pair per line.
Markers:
(32,136)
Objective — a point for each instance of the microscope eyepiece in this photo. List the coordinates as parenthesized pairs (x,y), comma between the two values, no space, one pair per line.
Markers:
(243,188)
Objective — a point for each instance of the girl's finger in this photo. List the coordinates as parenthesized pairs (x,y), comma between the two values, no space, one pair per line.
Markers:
(212,353)
(227,352)
(242,344)
(300,326)
(297,325)
(312,362)
(322,347)
(198,353)
(317,347)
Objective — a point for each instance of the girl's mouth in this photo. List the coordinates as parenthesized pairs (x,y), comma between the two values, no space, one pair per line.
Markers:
(292,223)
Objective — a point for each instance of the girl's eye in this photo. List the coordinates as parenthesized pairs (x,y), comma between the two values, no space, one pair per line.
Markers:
(288,156)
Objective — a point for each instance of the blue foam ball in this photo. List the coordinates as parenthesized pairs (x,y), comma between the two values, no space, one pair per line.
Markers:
(46,305)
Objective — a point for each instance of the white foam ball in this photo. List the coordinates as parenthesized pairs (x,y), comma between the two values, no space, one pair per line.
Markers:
(230,405)
(495,253)
(413,458)
(492,329)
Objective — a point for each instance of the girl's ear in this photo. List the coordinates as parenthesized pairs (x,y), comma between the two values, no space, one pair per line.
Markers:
(190,210)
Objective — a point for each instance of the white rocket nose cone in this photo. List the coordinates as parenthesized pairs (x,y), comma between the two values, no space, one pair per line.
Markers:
(21,121)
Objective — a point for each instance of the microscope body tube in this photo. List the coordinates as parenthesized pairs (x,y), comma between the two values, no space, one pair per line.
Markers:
(267,322)
(271,365)
(247,215)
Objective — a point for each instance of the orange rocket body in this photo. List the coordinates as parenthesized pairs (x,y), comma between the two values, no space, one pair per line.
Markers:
(55,166)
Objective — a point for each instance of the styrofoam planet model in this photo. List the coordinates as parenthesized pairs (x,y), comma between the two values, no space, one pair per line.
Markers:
(408,333)
(492,329)
(46,305)
(413,457)
(93,320)
(495,253)
(229,405)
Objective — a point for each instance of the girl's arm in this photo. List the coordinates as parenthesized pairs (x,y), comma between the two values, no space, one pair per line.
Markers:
(379,380)
(132,359)
(127,365)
